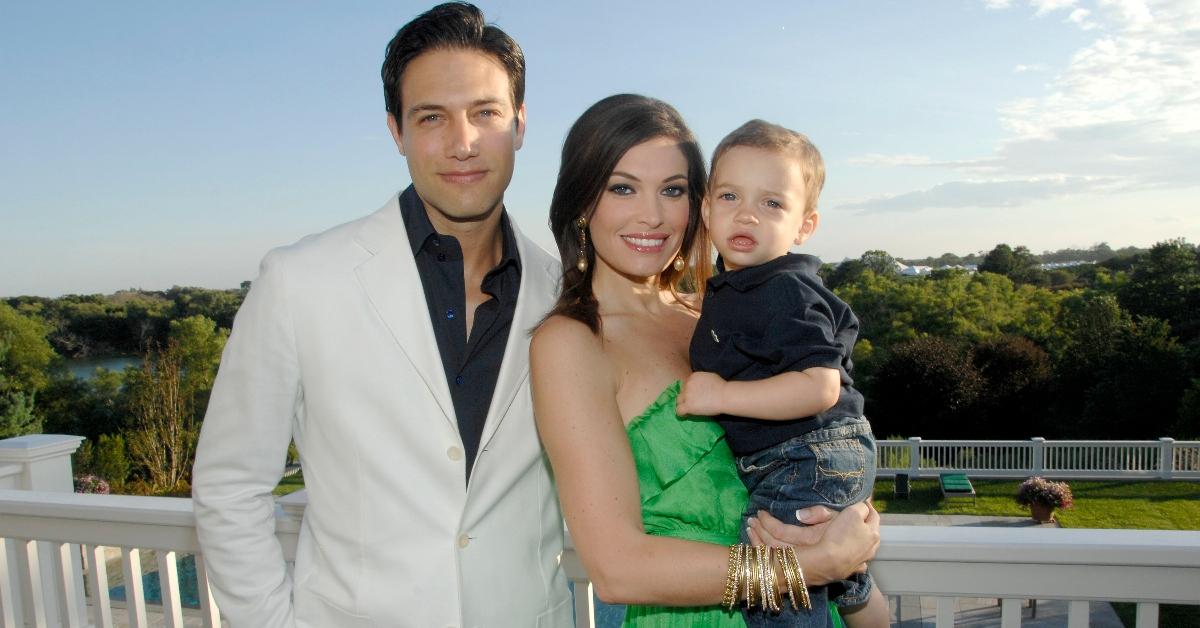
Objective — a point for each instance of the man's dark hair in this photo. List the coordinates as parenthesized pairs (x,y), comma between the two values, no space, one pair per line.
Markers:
(450,26)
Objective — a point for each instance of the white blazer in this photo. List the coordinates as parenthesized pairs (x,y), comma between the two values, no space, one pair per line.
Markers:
(334,347)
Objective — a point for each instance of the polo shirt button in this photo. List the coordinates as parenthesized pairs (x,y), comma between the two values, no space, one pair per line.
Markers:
(450,314)
(463,541)
(441,257)
(459,380)
(454,453)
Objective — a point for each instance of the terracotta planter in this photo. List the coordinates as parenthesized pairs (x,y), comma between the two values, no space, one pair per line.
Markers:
(1042,513)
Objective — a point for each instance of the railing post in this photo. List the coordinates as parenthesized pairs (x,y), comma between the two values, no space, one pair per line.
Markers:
(1039,455)
(1166,457)
(44,463)
(914,457)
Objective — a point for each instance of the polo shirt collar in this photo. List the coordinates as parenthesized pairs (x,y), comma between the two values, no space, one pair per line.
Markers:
(744,279)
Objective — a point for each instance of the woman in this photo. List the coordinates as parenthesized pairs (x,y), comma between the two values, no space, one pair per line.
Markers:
(652,501)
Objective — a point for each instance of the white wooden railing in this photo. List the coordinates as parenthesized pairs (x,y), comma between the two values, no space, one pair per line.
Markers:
(54,545)
(1011,564)
(1164,458)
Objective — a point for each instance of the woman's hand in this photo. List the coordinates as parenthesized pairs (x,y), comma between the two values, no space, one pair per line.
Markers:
(765,529)
(832,547)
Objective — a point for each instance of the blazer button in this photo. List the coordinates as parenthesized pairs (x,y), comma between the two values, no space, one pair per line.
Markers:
(454,453)
(463,541)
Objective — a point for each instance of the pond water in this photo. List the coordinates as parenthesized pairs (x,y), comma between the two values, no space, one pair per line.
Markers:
(85,368)
(188,588)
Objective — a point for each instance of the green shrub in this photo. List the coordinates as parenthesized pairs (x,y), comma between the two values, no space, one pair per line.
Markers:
(111,461)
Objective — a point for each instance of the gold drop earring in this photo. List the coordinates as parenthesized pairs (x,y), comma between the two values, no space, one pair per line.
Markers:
(581,226)
(679,263)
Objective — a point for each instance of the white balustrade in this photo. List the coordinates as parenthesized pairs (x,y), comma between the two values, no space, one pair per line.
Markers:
(1143,566)
(48,535)
(1165,458)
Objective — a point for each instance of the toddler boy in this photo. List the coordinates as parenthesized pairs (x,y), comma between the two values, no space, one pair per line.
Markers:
(771,352)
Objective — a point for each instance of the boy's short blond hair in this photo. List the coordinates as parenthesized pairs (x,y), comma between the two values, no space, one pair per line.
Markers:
(788,143)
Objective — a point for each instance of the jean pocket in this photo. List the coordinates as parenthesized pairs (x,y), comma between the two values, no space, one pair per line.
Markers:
(841,471)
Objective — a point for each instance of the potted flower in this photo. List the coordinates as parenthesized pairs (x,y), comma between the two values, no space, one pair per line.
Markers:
(91,484)
(1042,496)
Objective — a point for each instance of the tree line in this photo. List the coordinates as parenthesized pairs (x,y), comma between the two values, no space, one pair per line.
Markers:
(141,423)
(1110,350)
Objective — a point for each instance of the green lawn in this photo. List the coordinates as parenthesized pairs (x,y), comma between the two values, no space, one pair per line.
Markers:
(1148,505)
(1145,505)
(290,485)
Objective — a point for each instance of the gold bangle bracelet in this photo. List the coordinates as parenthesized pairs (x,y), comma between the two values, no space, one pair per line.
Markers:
(790,579)
(730,578)
(762,578)
(805,602)
(773,586)
(748,576)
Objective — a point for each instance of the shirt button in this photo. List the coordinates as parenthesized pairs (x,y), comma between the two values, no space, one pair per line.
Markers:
(450,314)
(459,380)
(454,453)
(463,541)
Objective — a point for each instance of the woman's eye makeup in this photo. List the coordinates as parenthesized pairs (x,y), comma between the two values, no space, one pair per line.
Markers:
(620,189)
(674,191)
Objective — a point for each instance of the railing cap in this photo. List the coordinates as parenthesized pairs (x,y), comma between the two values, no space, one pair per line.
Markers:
(1150,548)
(36,447)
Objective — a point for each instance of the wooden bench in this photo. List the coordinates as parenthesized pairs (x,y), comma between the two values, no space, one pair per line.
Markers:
(957,485)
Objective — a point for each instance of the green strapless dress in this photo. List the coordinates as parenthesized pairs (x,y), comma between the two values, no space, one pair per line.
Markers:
(690,489)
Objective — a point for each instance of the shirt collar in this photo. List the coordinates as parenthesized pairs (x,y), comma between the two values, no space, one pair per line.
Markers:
(744,279)
(420,229)
(416,221)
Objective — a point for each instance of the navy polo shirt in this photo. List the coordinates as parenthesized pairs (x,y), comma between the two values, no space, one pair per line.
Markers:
(471,364)
(764,320)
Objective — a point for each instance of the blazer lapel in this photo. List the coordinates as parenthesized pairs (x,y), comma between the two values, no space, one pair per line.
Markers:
(534,299)
(393,286)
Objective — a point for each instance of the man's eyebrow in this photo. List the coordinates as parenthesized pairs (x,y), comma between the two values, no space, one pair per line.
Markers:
(423,107)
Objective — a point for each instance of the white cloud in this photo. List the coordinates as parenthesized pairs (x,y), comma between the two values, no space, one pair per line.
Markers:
(1046,6)
(1079,17)
(1022,68)
(908,159)
(879,159)
(1123,115)
(997,4)
(963,194)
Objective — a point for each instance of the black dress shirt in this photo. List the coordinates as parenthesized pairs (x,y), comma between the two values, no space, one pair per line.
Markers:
(764,320)
(471,364)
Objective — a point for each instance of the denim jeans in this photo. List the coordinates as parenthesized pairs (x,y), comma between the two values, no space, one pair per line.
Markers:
(832,466)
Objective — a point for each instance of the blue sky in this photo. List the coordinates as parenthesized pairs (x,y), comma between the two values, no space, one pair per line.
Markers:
(144,144)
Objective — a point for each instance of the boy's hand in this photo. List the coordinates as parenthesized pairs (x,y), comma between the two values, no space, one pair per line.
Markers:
(702,394)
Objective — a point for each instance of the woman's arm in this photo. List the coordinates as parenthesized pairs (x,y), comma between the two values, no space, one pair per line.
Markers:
(574,395)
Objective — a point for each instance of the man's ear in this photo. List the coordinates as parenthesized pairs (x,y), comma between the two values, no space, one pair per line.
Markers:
(394,126)
(520,130)
(807,227)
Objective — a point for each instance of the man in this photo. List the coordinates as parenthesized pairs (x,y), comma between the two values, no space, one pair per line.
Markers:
(394,350)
